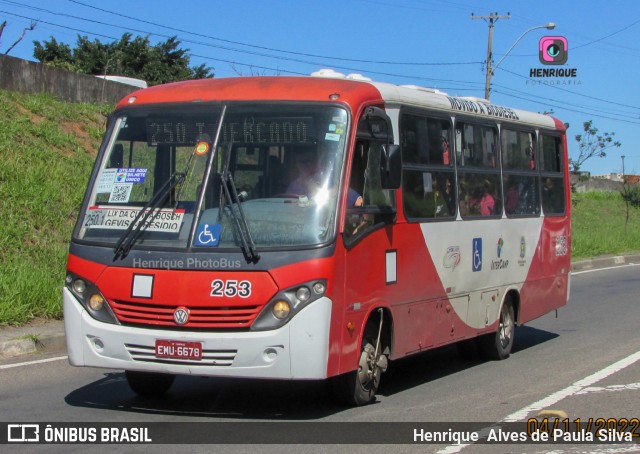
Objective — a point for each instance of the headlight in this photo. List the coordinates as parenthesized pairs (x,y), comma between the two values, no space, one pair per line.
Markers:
(79,286)
(303,294)
(281,309)
(319,288)
(90,298)
(96,302)
(287,303)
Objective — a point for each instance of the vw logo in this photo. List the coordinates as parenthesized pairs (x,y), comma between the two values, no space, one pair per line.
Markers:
(181,315)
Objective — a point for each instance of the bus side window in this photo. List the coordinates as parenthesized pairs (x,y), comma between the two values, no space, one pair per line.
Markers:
(365,185)
(552,175)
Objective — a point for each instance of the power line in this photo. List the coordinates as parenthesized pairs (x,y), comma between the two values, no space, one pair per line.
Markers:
(625,114)
(304,54)
(466,85)
(607,36)
(311,63)
(575,93)
(564,107)
(279,69)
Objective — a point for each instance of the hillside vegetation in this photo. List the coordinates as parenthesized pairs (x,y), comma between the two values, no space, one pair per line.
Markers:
(47,148)
(598,225)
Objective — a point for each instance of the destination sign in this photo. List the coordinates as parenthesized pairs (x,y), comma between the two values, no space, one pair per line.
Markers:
(249,130)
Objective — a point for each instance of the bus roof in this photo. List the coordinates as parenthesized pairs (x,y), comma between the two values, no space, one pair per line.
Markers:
(352,92)
(411,95)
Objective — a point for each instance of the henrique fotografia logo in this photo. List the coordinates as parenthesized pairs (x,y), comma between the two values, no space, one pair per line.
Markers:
(553,50)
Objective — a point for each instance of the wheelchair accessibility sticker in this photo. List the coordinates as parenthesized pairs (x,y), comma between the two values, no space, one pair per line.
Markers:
(477,254)
(208,235)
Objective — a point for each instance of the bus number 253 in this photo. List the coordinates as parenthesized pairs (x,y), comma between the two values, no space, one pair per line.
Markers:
(230,288)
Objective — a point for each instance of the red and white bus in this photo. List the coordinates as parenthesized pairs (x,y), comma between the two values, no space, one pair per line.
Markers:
(310,228)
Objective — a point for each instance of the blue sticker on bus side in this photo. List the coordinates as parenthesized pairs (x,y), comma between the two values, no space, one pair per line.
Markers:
(477,254)
(208,235)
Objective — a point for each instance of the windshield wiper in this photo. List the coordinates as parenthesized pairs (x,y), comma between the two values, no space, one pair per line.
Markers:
(136,226)
(235,209)
(134,230)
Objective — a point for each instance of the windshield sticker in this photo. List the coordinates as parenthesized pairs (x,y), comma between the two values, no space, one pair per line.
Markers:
(332,136)
(130,175)
(119,218)
(120,192)
(208,235)
(202,148)
(105,181)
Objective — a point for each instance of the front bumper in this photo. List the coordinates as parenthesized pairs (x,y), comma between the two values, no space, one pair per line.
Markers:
(298,350)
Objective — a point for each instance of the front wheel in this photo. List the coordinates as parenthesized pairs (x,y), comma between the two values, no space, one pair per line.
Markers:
(498,345)
(148,383)
(360,386)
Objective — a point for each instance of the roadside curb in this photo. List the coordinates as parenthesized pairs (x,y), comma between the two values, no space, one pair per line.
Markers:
(37,337)
(49,337)
(605,262)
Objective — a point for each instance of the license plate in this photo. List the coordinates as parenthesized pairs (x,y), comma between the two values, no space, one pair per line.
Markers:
(178,349)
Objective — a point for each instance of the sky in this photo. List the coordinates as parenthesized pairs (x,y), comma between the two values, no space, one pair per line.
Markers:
(432,43)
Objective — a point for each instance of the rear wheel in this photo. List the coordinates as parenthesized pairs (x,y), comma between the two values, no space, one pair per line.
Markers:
(498,345)
(149,383)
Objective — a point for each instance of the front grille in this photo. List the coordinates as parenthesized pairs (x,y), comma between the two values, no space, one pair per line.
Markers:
(147,354)
(200,317)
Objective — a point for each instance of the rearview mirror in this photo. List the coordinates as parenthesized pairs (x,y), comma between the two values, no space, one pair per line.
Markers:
(391,167)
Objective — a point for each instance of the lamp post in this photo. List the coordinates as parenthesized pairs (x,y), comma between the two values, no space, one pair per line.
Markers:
(491,70)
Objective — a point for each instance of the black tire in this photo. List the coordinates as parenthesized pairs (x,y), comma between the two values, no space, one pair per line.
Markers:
(359,387)
(498,345)
(149,383)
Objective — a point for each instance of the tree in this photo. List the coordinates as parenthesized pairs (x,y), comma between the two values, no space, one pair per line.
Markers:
(631,197)
(31,27)
(128,56)
(591,144)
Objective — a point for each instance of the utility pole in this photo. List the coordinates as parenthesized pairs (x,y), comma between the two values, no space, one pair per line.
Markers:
(622,168)
(490,19)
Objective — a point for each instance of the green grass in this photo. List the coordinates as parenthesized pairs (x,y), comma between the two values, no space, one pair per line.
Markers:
(598,225)
(47,149)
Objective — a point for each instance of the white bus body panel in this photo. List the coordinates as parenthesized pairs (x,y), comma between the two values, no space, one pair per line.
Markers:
(298,350)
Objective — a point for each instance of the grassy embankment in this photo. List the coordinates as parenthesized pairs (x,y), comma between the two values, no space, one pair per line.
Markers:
(47,148)
(598,225)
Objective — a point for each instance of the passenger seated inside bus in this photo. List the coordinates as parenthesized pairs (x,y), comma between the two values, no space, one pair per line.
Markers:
(428,194)
(487,201)
(479,202)
(512,196)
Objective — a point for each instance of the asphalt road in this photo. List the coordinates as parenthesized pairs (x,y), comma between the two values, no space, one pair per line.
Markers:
(585,363)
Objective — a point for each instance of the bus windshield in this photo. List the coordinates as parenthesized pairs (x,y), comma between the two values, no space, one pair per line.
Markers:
(164,181)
